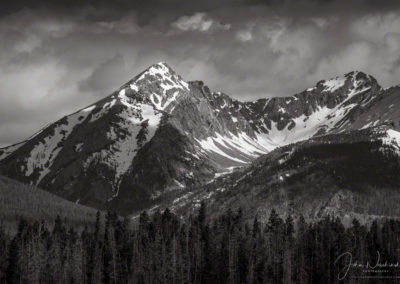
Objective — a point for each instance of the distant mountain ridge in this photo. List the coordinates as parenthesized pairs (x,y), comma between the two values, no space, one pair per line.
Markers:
(159,133)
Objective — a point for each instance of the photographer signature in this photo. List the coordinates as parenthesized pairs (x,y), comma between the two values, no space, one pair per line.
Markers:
(347,257)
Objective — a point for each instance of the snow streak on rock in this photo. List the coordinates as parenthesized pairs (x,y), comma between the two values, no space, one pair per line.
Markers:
(333,84)
(168,85)
(43,154)
(135,118)
(238,148)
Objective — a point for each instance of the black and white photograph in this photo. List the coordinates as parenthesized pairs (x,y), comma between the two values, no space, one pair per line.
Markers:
(200,141)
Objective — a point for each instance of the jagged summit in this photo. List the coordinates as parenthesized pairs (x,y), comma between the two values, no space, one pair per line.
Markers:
(156,68)
(158,71)
(158,85)
(355,80)
(360,74)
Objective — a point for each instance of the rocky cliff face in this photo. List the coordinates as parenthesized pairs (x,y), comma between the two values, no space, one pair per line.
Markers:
(158,134)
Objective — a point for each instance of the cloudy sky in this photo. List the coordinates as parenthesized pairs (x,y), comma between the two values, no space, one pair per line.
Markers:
(56,59)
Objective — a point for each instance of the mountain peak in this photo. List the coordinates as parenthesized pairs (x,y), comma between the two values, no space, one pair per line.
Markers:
(161,64)
(360,79)
(160,71)
(350,80)
(356,73)
(360,76)
(160,67)
(158,85)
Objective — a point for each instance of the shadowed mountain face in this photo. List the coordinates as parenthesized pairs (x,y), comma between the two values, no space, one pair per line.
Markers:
(159,134)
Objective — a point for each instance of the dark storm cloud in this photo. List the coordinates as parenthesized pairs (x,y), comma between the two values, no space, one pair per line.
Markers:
(59,56)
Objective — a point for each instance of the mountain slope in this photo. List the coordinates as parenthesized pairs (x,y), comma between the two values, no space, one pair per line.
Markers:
(158,133)
(19,200)
(354,173)
(84,156)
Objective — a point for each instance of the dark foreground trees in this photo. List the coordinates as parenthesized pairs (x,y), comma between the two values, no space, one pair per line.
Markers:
(165,249)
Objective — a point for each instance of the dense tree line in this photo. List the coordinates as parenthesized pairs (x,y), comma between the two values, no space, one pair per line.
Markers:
(163,248)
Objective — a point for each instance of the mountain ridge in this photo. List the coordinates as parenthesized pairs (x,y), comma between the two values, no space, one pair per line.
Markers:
(113,154)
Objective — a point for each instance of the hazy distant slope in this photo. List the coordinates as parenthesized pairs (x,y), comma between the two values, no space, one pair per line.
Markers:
(17,199)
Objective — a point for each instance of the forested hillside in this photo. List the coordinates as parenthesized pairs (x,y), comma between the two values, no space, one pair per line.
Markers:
(165,249)
(33,204)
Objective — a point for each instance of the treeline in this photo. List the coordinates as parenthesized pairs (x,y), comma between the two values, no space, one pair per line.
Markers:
(165,249)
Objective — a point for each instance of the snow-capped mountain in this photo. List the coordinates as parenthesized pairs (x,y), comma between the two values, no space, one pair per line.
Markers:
(159,133)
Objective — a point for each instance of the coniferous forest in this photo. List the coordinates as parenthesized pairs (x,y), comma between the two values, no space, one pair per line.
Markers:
(163,248)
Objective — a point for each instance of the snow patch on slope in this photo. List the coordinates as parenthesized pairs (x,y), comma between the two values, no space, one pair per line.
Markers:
(239,148)
(304,127)
(120,154)
(106,107)
(392,138)
(89,109)
(161,103)
(43,154)
(307,126)
(242,148)
(333,84)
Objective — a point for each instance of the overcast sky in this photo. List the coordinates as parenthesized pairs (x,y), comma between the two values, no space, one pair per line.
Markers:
(55,59)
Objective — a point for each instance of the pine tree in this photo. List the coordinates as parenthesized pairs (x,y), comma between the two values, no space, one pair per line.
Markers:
(108,255)
(242,255)
(13,272)
(123,249)
(275,236)
(3,254)
(302,267)
(288,251)
(95,253)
